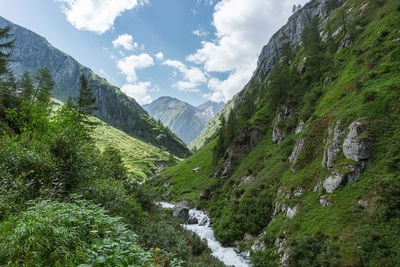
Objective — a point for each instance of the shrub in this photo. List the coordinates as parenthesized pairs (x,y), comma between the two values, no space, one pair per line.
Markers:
(50,233)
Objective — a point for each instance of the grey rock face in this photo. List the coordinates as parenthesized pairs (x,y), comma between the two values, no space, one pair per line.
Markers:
(279,134)
(241,146)
(181,211)
(354,146)
(289,33)
(298,147)
(332,146)
(299,127)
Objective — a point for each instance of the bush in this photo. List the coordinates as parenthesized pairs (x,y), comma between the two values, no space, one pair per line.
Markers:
(50,233)
(308,251)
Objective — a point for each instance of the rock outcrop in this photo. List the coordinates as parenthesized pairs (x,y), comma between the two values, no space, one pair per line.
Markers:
(241,146)
(332,146)
(278,133)
(289,33)
(298,147)
(356,146)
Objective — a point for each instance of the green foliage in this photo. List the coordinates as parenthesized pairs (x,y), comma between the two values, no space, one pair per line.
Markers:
(308,251)
(50,233)
(5,46)
(44,86)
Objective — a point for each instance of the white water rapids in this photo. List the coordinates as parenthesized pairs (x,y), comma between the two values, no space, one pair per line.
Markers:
(203,229)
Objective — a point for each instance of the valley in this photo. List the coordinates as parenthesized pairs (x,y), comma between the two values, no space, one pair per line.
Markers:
(300,167)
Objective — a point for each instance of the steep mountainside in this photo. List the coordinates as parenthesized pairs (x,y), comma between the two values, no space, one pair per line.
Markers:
(32,51)
(182,118)
(210,108)
(305,170)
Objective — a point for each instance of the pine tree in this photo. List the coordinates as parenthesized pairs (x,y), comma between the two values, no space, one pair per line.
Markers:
(85,100)
(5,47)
(44,86)
(26,86)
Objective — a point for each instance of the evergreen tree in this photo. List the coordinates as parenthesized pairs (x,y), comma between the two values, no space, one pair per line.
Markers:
(313,48)
(44,85)
(26,86)
(5,47)
(85,100)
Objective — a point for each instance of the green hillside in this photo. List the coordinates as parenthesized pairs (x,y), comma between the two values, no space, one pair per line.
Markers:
(271,189)
(141,159)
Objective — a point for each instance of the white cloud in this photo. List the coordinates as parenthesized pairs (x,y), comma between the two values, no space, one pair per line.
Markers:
(129,65)
(160,56)
(125,41)
(96,15)
(192,76)
(200,33)
(139,91)
(242,29)
(186,86)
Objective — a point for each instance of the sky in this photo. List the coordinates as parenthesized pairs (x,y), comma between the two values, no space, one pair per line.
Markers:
(193,50)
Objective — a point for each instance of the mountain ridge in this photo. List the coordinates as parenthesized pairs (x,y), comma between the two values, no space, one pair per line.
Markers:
(184,119)
(32,51)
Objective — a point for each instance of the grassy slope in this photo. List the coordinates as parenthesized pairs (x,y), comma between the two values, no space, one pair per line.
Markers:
(140,158)
(366,83)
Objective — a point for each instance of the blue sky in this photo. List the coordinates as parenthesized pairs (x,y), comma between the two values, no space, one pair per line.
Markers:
(194,50)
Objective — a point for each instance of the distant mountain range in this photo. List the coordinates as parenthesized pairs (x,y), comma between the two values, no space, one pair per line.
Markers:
(183,119)
(32,52)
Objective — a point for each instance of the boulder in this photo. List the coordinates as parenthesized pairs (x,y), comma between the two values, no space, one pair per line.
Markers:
(193,220)
(350,173)
(203,221)
(283,251)
(298,147)
(181,211)
(356,145)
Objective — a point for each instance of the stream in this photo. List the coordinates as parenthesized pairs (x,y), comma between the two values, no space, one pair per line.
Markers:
(203,229)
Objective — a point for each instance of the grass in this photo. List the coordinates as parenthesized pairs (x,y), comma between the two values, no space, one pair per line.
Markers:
(141,159)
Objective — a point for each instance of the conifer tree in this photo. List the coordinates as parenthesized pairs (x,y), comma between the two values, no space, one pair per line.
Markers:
(85,100)
(44,86)
(5,47)
(26,86)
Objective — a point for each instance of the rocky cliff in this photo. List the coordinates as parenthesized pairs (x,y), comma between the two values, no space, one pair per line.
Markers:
(32,51)
(289,33)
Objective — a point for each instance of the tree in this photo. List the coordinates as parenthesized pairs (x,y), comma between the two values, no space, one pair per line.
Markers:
(26,86)
(313,48)
(86,100)
(44,86)
(5,48)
